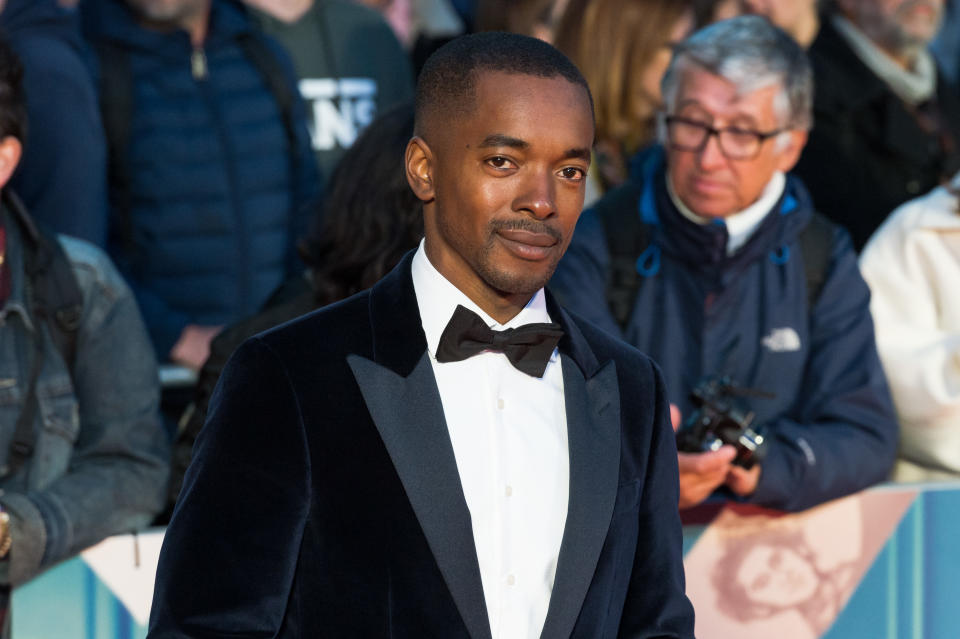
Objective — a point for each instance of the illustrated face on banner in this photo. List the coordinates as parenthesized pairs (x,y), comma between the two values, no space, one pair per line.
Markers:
(777,576)
(756,574)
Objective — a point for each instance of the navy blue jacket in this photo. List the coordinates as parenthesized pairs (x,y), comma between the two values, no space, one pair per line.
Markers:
(217,197)
(62,177)
(831,426)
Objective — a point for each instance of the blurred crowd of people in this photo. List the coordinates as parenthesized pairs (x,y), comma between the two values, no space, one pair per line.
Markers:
(773,202)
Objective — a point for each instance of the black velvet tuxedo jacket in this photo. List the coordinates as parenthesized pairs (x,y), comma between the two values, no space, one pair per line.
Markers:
(324,498)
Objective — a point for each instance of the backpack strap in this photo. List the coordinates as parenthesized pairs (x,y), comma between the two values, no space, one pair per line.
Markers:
(116,112)
(627,238)
(274,75)
(54,299)
(816,244)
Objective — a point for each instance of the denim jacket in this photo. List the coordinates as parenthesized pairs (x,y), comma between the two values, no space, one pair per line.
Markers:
(100,461)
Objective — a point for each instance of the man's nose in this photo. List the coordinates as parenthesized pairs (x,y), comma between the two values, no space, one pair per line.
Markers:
(711,157)
(539,194)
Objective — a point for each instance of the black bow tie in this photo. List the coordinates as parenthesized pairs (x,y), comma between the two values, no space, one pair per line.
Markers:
(528,347)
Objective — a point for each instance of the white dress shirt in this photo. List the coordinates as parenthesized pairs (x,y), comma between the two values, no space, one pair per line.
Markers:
(509,435)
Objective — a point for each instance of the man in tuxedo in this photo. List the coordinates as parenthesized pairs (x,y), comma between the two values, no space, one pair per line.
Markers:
(449,454)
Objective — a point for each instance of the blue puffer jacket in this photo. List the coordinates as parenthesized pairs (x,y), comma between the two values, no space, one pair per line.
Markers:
(831,425)
(217,198)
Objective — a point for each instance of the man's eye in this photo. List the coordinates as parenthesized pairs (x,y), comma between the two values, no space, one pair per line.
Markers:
(573,173)
(741,135)
(500,162)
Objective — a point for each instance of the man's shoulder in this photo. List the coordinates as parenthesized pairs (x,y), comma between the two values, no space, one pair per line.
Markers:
(95,272)
(340,328)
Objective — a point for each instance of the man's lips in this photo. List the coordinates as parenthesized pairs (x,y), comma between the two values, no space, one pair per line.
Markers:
(528,245)
(706,184)
(528,237)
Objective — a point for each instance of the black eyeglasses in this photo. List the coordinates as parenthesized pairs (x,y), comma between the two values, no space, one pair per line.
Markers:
(735,143)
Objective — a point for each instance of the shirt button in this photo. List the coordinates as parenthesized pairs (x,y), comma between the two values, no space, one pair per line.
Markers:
(500,403)
(509,491)
(511,580)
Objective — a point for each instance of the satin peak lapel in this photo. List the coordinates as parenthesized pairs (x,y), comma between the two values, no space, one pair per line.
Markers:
(408,414)
(593,430)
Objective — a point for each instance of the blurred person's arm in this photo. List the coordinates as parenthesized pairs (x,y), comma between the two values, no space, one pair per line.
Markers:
(62,177)
(118,466)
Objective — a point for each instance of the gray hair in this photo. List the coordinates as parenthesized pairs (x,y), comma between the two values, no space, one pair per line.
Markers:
(752,54)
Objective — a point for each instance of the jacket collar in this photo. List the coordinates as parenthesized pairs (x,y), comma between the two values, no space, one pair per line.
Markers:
(704,247)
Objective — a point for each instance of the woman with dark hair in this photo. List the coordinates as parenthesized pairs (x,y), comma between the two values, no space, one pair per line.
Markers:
(370,218)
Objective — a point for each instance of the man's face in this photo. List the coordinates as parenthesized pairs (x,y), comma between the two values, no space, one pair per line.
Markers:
(709,182)
(896,24)
(168,11)
(506,184)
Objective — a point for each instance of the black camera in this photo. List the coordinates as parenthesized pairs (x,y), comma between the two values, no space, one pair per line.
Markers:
(719,419)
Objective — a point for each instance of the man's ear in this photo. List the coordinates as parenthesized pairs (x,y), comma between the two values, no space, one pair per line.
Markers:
(790,154)
(10,152)
(419,165)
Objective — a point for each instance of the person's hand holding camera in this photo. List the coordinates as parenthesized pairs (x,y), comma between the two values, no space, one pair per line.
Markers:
(742,481)
(702,473)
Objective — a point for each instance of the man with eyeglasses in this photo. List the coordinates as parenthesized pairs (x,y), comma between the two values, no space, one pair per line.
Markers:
(713,261)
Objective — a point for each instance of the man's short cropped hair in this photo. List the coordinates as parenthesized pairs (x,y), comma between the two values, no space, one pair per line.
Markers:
(752,54)
(13,108)
(447,83)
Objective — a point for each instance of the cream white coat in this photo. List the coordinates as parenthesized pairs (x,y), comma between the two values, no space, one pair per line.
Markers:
(912,264)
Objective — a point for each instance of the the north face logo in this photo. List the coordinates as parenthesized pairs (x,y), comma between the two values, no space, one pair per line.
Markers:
(782,340)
